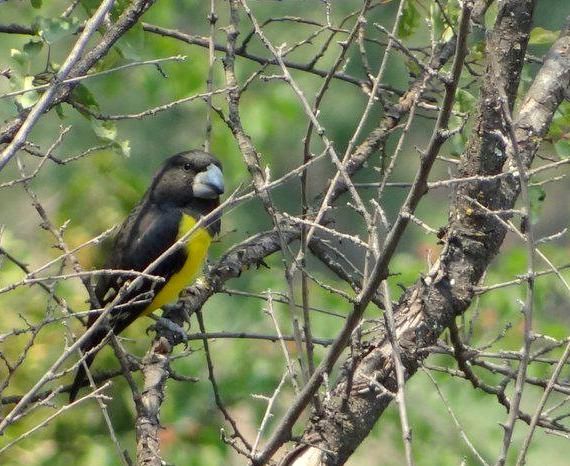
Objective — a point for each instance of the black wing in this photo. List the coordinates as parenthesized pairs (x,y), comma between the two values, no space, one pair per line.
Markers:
(144,236)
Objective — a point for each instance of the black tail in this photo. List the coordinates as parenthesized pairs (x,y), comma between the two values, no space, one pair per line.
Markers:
(81,374)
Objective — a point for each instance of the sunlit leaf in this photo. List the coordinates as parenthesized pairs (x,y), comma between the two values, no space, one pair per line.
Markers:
(106,130)
(28,99)
(123,147)
(19,57)
(436,19)
(539,36)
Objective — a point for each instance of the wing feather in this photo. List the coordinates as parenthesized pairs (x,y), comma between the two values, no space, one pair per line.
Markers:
(144,236)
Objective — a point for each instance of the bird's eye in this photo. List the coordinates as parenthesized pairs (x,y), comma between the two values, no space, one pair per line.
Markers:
(187,167)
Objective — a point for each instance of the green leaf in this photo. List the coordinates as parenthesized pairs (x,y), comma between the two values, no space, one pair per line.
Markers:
(458,140)
(410,20)
(447,34)
(45,77)
(33,47)
(59,111)
(36,3)
(118,8)
(123,148)
(540,36)
(19,57)
(436,19)
(28,99)
(559,131)
(90,5)
(440,21)
(106,130)
(413,68)
(562,148)
(491,16)
(465,101)
(82,95)
(477,51)
(132,43)
(54,29)
(537,196)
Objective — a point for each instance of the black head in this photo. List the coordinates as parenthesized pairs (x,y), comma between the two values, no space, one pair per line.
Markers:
(190,181)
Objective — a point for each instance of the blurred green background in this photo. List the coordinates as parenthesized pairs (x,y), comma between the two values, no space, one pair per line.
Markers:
(95,192)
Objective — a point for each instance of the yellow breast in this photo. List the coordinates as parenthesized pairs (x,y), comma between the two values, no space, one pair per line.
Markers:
(196,249)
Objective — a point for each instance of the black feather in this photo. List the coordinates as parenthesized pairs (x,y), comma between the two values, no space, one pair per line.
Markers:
(150,229)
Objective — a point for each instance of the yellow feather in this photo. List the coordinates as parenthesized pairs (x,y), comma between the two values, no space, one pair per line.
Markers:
(197,249)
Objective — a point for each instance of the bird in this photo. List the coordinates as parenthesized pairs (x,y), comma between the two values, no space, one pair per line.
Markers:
(185,188)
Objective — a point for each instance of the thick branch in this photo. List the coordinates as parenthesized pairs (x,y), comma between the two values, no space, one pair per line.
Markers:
(17,29)
(428,307)
(248,253)
(155,370)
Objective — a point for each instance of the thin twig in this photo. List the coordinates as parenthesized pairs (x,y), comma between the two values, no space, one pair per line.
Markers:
(39,108)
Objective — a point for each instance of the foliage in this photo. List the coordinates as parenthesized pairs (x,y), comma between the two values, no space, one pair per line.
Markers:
(89,195)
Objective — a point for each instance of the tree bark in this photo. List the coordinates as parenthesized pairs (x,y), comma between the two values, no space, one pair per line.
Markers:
(471,242)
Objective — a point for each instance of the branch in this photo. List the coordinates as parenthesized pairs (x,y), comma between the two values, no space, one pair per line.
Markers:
(283,430)
(17,29)
(200,41)
(48,96)
(156,371)
(428,307)
(248,253)
(155,366)
(128,18)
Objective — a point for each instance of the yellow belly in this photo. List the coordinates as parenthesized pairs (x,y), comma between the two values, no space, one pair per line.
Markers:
(197,249)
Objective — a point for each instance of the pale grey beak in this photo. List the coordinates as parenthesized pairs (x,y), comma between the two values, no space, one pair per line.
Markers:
(208,184)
